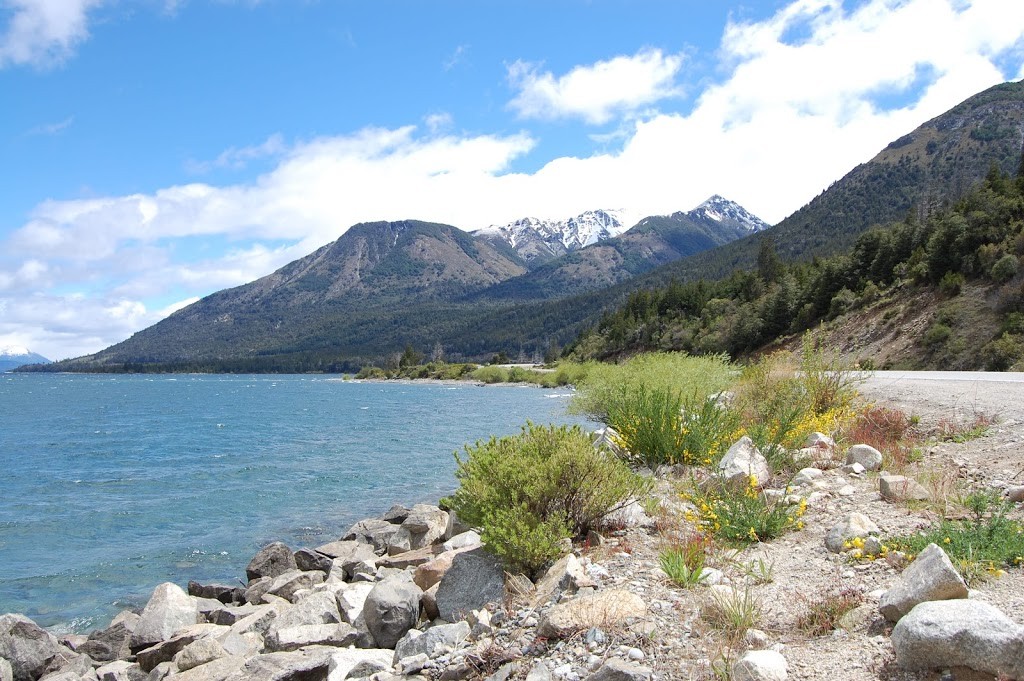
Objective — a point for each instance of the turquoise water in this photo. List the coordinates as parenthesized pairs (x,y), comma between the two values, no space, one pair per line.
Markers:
(110,485)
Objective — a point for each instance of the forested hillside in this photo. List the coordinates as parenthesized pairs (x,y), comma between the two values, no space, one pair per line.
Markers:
(975,246)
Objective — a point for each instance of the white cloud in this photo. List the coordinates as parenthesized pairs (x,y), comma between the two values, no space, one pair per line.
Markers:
(238,158)
(455,58)
(43,32)
(597,92)
(796,108)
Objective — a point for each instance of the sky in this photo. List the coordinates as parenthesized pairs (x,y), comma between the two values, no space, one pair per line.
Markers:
(156,151)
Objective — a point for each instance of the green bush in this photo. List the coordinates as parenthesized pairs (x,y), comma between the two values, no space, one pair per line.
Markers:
(937,334)
(951,283)
(741,515)
(529,491)
(490,374)
(371,372)
(674,372)
(1005,268)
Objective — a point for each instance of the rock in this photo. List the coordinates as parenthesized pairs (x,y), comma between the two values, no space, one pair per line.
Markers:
(853,469)
(464,540)
(565,576)
(27,646)
(6,671)
(373,531)
(608,439)
(392,608)
(865,455)
(164,651)
(319,607)
(413,664)
(1015,494)
(901,488)
(433,642)
(412,558)
(258,622)
(119,670)
(851,526)
(229,614)
(430,573)
(169,609)
(539,672)
(760,665)
(742,461)
(806,476)
(69,663)
(615,669)
(112,643)
(351,599)
(819,441)
(293,638)
(629,514)
(270,561)
(960,632)
(396,514)
(256,590)
(424,526)
(429,603)
(931,577)
(215,670)
(300,665)
(286,584)
(474,579)
(221,592)
(308,560)
(355,663)
(198,652)
(455,527)
(350,556)
(605,609)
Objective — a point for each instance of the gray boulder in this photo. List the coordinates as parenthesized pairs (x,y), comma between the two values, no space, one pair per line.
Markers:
(320,607)
(850,526)
(344,662)
(1015,494)
(197,653)
(164,651)
(308,560)
(901,488)
(760,665)
(28,647)
(120,670)
(961,632)
(6,671)
(866,456)
(169,609)
(565,576)
(372,531)
(616,669)
(435,641)
(819,441)
(112,643)
(392,608)
(425,525)
(742,461)
(215,670)
(270,561)
(302,636)
(931,577)
(221,592)
(301,665)
(287,584)
(350,554)
(351,599)
(474,579)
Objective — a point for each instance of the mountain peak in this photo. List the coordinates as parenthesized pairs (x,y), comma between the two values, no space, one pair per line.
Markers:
(722,210)
(14,356)
(539,240)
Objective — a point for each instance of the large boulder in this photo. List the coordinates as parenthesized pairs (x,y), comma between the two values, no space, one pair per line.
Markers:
(300,665)
(270,561)
(960,632)
(169,610)
(350,555)
(474,579)
(319,607)
(851,526)
(308,560)
(112,643)
(604,609)
(215,670)
(425,525)
(28,647)
(347,660)
(292,638)
(198,653)
(931,577)
(564,577)
(866,456)
(392,608)
(351,600)
(742,461)
(287,584)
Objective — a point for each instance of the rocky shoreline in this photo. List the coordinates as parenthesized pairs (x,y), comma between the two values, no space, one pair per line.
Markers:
(412,594)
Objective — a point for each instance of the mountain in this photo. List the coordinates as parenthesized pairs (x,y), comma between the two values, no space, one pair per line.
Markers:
(14,356)
(653,241)
(538,241)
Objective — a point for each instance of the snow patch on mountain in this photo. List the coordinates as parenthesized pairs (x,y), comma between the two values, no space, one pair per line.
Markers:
(13,351)
(722,210)
(536,238)
(14,356)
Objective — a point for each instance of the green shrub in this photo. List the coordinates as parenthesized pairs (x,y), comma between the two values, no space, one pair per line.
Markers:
(371,372)
(937,334)
(1005,268)
(741,515)
(659,371)
(951,283)
(684,562)
(490,374)
(529,491)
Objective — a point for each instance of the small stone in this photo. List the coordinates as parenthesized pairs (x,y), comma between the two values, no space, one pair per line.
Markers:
(853,469)
(615,669)
(900,488)
(760,665)
(1016,494)
(865,455)
(635,654)
(846,491)
(931,577)
(851,526)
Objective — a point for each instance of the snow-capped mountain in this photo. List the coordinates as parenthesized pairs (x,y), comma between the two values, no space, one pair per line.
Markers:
(536,239)
(14,356)
(723,211)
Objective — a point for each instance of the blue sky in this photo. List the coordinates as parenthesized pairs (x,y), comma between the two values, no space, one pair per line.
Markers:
(155,152)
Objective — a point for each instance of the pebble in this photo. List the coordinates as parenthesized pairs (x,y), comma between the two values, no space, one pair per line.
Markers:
(635,654)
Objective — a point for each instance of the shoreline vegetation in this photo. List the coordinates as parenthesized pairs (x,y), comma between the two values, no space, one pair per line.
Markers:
(724,523)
